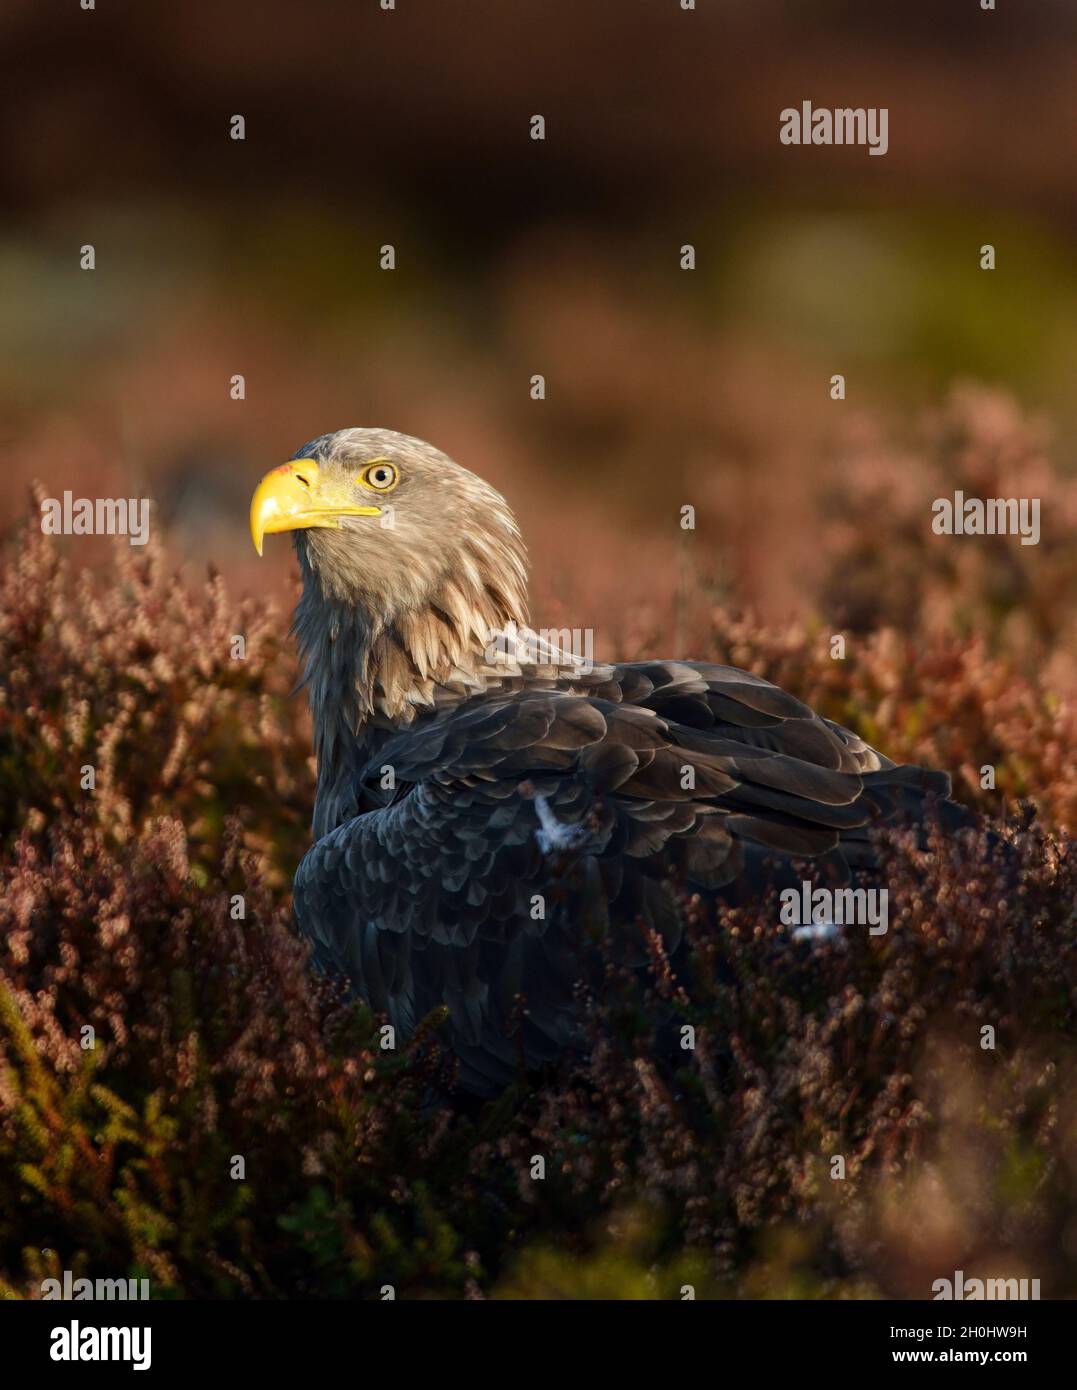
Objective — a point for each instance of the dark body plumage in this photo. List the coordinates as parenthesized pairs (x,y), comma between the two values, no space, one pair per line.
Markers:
(577,793)
(477,836)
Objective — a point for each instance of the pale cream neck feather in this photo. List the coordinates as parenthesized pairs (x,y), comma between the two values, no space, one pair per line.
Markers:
(452,646)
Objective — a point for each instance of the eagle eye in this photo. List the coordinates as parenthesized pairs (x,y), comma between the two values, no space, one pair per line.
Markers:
(379,475)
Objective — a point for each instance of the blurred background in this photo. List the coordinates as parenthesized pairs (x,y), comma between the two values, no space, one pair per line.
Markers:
(216,257)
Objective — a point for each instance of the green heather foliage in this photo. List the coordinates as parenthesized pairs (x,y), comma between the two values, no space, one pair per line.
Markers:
(214,1041)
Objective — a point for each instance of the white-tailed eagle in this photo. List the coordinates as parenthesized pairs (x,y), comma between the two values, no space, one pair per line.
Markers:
(487,804)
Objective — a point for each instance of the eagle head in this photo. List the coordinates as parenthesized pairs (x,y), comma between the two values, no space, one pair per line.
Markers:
(382,519)
(409,558)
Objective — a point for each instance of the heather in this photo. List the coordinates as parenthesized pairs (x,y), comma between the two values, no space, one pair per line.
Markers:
(214,1041)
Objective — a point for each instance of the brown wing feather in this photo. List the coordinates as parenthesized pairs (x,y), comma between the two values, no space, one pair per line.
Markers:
(583,798)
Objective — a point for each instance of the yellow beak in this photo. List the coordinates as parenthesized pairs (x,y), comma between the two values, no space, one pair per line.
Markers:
(295,497)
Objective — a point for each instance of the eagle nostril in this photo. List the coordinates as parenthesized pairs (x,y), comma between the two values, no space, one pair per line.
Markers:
(300,479)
